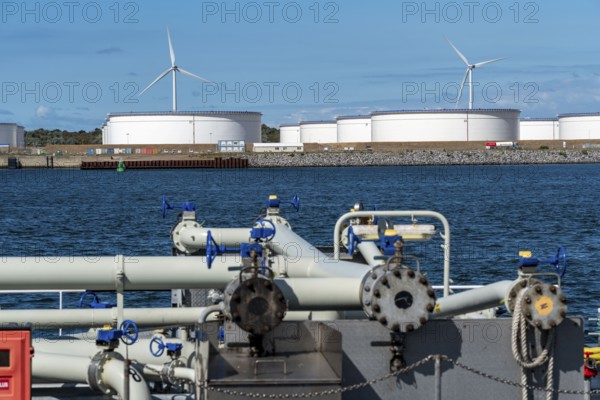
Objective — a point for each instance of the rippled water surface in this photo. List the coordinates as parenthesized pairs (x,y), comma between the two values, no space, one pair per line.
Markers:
(494,212)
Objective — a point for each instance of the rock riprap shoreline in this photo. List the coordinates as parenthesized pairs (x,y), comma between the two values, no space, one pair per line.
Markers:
(423,157)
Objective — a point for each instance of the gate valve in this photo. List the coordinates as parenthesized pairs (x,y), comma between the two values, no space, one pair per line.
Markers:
(559,261)
(127,333)
(262,231)
(95,303)
(186,206)
(158,347)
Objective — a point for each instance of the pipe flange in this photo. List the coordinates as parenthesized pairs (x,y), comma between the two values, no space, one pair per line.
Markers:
(400,298)
(518,286)
(167,374)
(97,367)
(176,235)
(255,304)
(544,305)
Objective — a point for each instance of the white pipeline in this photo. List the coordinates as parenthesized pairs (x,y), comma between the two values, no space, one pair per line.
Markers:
(68,368)
(370,251)
(482,298)
(149,273)
(60,367)
(113,375)
(194,238)
(89,317)
(186,374)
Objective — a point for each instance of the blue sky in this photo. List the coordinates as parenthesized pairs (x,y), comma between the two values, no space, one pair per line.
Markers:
(67,64)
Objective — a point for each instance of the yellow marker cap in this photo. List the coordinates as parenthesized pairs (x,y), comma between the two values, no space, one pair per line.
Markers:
(390,232)
(525,253)
(273,197)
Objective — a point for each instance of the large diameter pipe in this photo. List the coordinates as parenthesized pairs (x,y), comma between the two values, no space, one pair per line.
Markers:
(186,374)
(93,318)
(60,367)
(482,298)
(85,346)
(321,294)
(143,317)
(68,368)
(148,273)
(370,252)
(194,238)
(113,375)
(101,273)
(289,244)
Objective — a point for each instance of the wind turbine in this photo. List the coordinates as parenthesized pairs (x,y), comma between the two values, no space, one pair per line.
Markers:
(174,69)
(469,73)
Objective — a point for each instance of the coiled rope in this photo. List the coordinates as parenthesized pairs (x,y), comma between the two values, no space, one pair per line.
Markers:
(520,351)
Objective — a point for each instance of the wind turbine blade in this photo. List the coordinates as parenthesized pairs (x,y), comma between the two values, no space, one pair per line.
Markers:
(183,71)
(171,48)
(462,86)
(156,80)
(481,64)
(461,55)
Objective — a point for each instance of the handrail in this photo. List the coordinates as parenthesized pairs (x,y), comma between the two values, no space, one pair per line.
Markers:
(432,214)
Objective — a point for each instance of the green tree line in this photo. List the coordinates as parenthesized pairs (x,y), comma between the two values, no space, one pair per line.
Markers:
(45,137)
(269,135)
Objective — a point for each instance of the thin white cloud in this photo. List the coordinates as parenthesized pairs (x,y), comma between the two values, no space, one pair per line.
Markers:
(43,112)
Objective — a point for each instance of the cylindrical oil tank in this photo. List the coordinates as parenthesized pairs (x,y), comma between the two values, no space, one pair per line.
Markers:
(579,126)
(289,133)
(181,128)
(445,125)
(318,132)
(539,129)
(354,129)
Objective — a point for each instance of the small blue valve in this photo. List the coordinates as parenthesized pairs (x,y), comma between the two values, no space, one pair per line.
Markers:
(275,202)
(128,333)
(95,301)
(158,347)
(264,229)
(559,261)
(353,240)
(185,206)
(387,242)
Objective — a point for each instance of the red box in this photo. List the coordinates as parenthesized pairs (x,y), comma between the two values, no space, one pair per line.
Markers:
(15,364)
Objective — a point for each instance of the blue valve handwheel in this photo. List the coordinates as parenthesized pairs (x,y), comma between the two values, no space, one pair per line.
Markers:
(212,250)
(157,347)
(353,240)
(262,222)
(165,206)
(85,295)
(561,261)
(130,332)
(296,202)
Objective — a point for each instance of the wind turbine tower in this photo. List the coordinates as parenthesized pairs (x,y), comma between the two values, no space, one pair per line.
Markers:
(469,74)
(174,69)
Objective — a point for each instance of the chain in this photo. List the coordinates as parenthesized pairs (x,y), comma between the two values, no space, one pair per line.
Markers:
(518,384)
(399,372)
(327,392)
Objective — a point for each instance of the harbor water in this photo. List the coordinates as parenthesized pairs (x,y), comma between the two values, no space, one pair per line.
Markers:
(494,211)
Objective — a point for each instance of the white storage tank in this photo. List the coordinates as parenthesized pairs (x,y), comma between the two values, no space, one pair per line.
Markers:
(445,125)
(579,126)
(289,133)
(12,135)
(318,132)
(539,129)
(354,128)
(181,127)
